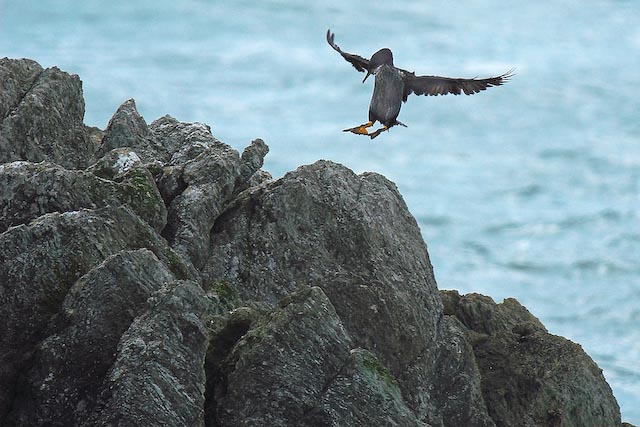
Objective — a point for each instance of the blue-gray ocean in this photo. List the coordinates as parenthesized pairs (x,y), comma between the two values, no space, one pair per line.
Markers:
(530,190)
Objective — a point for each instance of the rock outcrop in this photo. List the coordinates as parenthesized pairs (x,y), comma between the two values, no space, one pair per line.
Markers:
(530,377)
(375,271)
(41,112)
(151,275)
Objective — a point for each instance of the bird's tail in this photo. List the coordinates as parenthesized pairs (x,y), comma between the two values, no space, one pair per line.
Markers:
(400,123)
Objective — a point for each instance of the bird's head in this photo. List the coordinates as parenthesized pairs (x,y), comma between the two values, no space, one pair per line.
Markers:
(381,57)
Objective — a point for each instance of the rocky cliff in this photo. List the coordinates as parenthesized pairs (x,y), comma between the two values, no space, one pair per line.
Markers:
(150,275)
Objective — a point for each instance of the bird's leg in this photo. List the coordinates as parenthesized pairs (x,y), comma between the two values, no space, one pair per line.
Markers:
(360,130)
(378,131)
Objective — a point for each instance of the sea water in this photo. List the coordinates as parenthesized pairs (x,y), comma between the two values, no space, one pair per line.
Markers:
(529,190)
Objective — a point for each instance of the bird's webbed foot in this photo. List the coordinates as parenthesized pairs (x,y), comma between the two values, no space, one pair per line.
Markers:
(360,130)
(378,131)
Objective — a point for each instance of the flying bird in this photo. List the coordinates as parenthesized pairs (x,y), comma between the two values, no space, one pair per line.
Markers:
(394,85)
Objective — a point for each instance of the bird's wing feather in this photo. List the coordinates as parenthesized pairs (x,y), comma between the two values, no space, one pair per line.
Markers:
(436,85)
(359,63)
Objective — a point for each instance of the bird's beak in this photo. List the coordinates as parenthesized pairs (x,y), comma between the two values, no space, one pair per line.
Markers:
(365,77)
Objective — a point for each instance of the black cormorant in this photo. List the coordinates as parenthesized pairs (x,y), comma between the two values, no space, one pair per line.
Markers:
(394,85)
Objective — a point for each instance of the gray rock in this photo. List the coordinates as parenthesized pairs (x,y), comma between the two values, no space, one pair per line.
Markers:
(127,128)
(318,304)
(42,116)
(158,377)
(363,393)
(196,174)
(252,159)
(170,183)
(189,144)
(116,163)
(481,314)
(17,77)
(29,190)
(281,366)
(184,141)
(225,330)
(39,262)
(543,380)
(258,178)
(296,367)
(455,383)
(64,381)
(210,180)
(353,236)
(530,377)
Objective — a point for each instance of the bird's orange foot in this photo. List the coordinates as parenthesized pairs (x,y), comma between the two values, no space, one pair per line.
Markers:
(378,132)
(360,130)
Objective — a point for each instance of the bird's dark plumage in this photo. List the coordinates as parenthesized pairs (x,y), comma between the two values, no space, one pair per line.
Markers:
(361,64)
(394,85)
(435,85)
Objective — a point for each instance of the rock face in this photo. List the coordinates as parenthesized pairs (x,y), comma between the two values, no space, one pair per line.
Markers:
(150,275)
(65,374)
(530,377)
(304,338)
(378,277)
(29,190)
(158,376)
(41,113)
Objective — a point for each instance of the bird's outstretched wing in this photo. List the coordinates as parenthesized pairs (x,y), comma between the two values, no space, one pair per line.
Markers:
(435,85)
(358,62)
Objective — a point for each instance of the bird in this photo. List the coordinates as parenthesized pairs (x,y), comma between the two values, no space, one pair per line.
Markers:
(394,85)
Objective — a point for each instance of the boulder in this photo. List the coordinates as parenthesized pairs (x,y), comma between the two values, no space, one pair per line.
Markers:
(42,115)
(297,367)
(40,262)
(183,141)
(454,386)
(530,377)
(352,236)
(29,190)
(196,174)
(542,379)
(128,129)
(158,377)
(17,77)
(480,314)
(201,179)
(69,367)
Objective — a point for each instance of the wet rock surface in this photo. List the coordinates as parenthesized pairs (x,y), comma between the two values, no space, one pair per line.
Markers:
(151,275)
